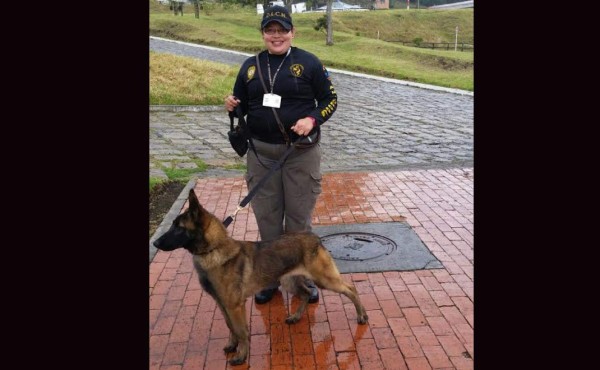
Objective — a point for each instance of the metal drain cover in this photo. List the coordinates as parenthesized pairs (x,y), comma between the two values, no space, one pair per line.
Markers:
(358,246)
(375,247)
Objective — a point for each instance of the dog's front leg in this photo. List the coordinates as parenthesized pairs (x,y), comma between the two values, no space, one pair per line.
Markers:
(233,340)
(239,328)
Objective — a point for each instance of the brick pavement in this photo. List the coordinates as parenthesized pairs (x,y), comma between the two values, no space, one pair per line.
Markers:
(417,319)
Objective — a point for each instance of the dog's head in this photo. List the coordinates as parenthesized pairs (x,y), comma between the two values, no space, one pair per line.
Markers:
(187,229)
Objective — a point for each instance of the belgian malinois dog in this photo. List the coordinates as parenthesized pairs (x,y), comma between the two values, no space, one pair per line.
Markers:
(232,270)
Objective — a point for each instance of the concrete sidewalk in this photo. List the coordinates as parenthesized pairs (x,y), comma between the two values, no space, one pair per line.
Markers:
(419,319)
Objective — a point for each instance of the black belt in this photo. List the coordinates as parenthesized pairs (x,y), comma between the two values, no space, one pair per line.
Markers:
(254,137)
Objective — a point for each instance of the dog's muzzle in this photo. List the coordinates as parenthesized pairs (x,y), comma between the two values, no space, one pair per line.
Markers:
(174,238)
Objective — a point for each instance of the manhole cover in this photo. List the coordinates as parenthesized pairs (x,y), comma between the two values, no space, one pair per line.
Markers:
(374,247)
(358,246)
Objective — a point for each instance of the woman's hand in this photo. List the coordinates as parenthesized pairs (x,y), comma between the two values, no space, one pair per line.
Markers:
(303,126)
(231,102)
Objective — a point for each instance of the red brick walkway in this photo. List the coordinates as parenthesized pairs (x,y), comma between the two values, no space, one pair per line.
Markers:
(417,319)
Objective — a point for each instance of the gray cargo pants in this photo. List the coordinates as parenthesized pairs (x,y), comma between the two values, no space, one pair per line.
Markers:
(286,201)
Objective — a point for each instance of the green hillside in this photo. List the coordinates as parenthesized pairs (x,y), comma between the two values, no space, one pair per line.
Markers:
(365,41)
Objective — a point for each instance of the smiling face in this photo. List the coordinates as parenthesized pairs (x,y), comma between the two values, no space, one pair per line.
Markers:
(277,39)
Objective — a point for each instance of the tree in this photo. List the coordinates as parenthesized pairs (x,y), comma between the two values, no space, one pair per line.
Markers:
(326,23)
(329,41)
(177,7)
(196,8)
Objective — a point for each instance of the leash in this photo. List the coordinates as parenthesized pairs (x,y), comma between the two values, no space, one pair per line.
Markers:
(273,169)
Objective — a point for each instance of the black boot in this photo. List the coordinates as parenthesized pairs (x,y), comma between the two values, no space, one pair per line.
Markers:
(314,292)
(265,295)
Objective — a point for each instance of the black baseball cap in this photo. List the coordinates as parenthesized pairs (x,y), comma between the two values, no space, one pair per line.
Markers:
(279,14)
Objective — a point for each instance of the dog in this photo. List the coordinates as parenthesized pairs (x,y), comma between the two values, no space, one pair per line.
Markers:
(232,270)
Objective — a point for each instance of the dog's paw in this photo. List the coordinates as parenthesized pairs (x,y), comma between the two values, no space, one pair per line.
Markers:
(292,319)
(363,320)
(237,360)
(230,348)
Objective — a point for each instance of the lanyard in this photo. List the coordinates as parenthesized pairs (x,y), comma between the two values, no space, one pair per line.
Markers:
(272,81)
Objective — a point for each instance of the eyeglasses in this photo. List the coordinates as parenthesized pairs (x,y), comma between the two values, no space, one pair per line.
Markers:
(272,31)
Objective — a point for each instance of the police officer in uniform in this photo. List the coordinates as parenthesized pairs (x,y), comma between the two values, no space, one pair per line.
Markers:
(300,90)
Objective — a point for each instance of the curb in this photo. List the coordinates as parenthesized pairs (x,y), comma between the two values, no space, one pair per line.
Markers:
(170,216)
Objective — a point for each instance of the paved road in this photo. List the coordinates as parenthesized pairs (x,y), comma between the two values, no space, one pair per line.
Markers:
(379,124)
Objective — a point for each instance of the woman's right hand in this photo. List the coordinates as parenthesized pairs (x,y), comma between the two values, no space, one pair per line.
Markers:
(231,102)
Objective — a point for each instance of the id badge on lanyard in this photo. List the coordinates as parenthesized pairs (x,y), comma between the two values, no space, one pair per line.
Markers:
(272,100)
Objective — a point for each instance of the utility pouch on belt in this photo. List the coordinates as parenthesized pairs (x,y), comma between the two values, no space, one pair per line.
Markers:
(238,135)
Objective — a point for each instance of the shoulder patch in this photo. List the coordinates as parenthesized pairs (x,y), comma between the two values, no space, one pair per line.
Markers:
(326,72)
(250,72)
(297,69)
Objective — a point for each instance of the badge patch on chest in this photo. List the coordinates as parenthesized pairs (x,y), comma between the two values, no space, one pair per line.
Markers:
(250,72)
(297,69)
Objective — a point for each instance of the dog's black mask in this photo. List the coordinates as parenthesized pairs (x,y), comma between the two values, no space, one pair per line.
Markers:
(175,237)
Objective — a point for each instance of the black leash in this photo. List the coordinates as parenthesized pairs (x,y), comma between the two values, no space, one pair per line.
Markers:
(273,169)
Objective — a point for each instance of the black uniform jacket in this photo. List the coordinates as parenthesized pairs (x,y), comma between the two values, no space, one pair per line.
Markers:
(303,84)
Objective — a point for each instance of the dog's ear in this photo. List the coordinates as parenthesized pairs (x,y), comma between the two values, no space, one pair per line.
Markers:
(194,206)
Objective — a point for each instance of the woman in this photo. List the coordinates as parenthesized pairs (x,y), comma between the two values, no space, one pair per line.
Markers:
(299,89)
